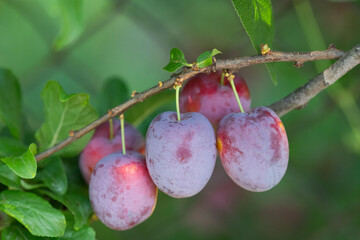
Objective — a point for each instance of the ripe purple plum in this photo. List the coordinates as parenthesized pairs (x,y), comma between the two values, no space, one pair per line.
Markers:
(101,145)
(253,148)
(121,191)
(180,155)
(205,94)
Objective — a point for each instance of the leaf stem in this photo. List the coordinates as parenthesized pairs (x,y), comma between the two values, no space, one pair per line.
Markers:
(111,129)
(122,133)
(231,80)
(177,87)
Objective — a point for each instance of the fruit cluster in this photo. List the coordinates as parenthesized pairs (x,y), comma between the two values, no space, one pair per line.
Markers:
(181,150)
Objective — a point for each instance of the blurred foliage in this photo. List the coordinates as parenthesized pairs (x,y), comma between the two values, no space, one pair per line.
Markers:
(129,42)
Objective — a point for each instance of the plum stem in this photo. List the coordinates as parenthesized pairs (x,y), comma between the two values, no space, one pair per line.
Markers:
(111,129)
(177,87)
(122,133)
(222,78)
(231,80)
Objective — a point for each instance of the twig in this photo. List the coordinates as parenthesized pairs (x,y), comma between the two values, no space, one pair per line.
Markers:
(301,95)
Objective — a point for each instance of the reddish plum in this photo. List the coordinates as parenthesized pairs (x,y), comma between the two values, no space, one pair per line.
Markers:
(100,145)
(121,191)
(253,148)
(205,94)
(180,155)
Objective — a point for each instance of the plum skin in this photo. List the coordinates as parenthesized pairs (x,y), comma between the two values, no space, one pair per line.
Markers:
(100,145)
(253,148)
(204,94)
(121,191)
(180,155)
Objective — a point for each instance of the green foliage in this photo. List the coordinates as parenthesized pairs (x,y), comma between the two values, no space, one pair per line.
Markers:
(256,17)
(113,92)
(206,58)
(24,165)
(17,232)
(8,177)
(36,214)
(73,233)
(77,201)
(52,174)
(71,21)
(64,113)
(10,102)
(177,60)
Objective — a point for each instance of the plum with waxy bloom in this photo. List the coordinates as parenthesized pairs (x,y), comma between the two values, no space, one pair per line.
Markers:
(121,191)
(253,148)
(180,155)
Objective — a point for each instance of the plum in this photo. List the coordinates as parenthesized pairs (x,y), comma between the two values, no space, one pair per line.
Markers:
(121,191)
(101,145)
(180,155)
(205,94)
(253,148)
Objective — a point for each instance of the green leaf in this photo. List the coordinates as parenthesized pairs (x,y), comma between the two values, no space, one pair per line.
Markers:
(64,113)
(24,165)
(177,60)
(10,102)
(77,201)
(18,232)
(11,147)
(206,58)
(53,175)
(85,232)
(257,19)
(36,214)
(70,13)
(114,92)
(8,177)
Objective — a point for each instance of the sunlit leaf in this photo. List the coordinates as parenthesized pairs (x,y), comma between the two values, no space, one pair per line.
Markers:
(64,113)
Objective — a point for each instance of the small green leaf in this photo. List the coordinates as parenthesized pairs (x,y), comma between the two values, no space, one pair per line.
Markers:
(206,58)
(36,214)
(24,165)
(114,92)
(77,201)
(257,18)
(10,102)
(70,14)
(63,113)
(177,60)
(53,175)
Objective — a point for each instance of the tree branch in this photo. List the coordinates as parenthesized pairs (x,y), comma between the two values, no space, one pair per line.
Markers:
(296,99)
(301,96)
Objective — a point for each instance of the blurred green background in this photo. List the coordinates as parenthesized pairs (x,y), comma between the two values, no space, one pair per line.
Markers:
(82,44)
